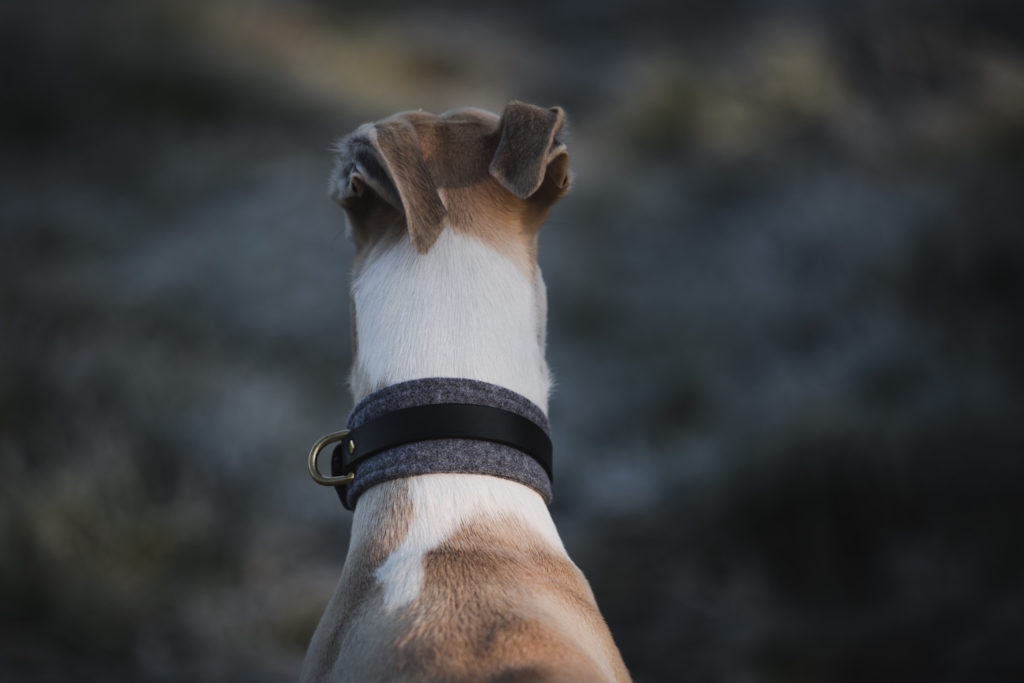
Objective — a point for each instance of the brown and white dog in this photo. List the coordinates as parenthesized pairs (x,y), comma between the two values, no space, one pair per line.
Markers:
(455,577)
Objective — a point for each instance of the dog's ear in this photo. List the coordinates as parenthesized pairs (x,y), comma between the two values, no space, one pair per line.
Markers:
(530,151)
(358,172)
(386,160)
(424,213)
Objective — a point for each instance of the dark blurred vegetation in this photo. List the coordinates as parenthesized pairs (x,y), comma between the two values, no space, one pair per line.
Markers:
(785,322)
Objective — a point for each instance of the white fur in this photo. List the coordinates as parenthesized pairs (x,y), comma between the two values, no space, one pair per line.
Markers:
(442,503)
(460,310)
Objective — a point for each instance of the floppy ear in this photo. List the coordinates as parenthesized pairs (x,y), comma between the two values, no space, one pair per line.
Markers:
(529,150)
(386,160)
(397,143)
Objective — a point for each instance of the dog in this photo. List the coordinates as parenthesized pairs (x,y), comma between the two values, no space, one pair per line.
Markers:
(455,571)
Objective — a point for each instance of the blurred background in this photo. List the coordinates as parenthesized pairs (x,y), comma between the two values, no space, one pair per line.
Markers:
(785,324)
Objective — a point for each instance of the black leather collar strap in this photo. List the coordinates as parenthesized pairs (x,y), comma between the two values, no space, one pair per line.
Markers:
(443,425)
(444,421)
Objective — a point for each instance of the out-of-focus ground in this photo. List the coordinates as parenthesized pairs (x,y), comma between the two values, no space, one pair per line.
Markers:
(786,325)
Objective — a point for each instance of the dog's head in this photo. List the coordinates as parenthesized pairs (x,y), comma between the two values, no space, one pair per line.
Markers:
(416,174)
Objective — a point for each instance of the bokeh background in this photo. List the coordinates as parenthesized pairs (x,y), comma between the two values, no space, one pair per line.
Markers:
(786,324)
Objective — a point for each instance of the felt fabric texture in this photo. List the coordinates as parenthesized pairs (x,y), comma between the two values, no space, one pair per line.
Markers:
(446,455)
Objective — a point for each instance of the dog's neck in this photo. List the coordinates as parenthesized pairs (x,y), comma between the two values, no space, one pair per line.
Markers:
(461,310)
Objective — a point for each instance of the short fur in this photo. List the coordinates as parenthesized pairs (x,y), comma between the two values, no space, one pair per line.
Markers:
(455,577)
(527,147)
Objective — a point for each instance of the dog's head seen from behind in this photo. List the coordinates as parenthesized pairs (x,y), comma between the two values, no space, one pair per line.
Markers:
(444,212)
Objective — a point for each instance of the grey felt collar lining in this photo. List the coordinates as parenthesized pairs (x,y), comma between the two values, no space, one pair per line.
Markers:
(446,455)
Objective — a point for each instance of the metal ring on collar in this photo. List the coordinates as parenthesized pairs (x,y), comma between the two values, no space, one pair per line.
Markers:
(314,471)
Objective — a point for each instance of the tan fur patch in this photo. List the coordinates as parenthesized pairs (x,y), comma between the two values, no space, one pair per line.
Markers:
(353,631)
(498,603)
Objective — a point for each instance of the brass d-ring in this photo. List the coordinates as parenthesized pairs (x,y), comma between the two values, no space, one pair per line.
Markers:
(314,471)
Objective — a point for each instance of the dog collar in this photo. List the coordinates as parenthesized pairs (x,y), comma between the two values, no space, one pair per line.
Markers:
(438,425)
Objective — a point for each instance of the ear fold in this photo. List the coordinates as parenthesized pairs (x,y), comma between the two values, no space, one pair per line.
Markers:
(397,143)
(386,159)
(529,150)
